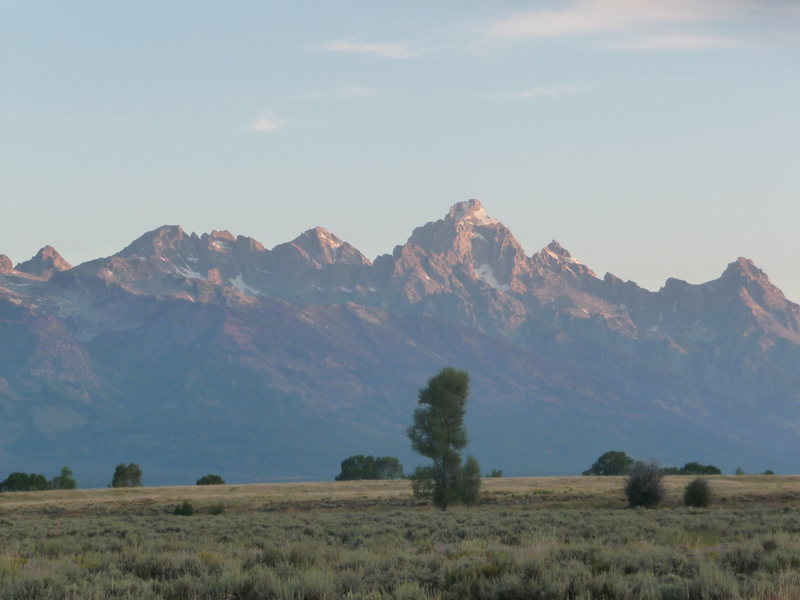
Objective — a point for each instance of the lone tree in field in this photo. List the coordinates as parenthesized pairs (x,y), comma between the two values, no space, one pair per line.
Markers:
(127,476)
(438,431)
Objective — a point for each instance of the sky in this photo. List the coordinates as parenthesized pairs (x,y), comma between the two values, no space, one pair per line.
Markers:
(651,138)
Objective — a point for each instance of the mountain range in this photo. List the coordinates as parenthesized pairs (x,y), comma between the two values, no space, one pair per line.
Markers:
(194,354)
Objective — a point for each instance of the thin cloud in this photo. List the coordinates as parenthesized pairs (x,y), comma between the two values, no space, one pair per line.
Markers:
(544,91)
(384,50)
(345,92)
(678,42)
(267,122)
(587,17)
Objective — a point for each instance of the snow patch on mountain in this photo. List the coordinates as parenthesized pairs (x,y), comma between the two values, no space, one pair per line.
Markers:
(239,284)
(479,217)
(332,241)
(188,273)
(485,273)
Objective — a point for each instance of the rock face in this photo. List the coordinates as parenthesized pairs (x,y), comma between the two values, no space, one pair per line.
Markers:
(278,363)
(46,262)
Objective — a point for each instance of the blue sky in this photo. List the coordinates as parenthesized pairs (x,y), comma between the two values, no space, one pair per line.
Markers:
(651,138)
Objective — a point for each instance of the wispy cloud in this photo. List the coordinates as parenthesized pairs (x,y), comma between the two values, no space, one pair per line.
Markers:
(678,42)
(384,50)
(345,92)
(266,121)
(587,17)
(544,91)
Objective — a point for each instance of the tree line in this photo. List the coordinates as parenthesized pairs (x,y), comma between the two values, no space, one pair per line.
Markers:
(34,482)
(616,462)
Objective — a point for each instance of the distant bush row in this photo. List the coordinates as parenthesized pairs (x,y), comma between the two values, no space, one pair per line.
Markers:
(129,475)
(616,462)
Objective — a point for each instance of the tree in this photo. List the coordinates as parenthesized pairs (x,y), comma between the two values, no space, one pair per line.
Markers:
(389,468)
(65,481)
(644,486)
(438,430)
(469,484)
(210,479)
(127,476)
(24,482)
(692,468)
(370,467)
(613,462)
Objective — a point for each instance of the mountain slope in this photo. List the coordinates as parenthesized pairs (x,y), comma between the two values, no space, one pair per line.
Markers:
(191,354)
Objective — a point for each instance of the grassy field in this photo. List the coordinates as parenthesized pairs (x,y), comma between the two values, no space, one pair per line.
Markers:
(555,537)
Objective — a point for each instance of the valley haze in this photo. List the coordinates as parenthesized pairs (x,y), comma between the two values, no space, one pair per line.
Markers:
(191,354)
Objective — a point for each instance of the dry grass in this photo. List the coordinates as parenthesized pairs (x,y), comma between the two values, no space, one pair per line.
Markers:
(544,492)
(531,538)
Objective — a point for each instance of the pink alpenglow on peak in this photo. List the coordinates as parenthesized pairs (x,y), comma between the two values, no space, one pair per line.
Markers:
(46,262)
(470,211)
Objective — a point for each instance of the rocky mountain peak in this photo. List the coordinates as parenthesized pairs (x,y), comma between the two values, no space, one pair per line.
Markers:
(222,235)
(461,209)
(155,242)
(465,223)
(322,247)
(752,282)
(471,212)
(46,262)
(321,236)
(744,269)
(250,244)
(557,258)
(5,263)
(555,248)
(218,241)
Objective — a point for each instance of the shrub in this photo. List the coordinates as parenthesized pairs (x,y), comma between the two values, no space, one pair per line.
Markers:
(644,486)
(210,479)
(217,508)
(496,473)
(697,493)
(184,509)
(422,483)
